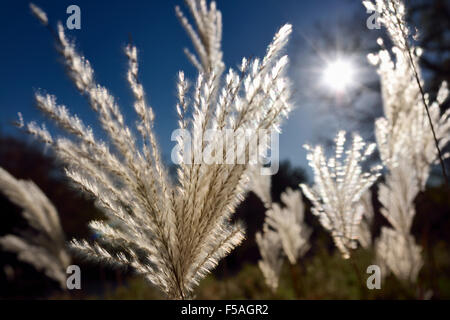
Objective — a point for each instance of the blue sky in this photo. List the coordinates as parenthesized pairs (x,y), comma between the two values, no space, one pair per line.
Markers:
(29,62)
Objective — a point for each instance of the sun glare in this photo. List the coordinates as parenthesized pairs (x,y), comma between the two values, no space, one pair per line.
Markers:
(339,75)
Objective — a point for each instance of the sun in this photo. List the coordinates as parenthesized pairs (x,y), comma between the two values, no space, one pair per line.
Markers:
(339,75)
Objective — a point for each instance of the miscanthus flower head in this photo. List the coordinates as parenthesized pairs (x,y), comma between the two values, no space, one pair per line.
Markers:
(171,233)
(272,257)
(404,131)
(409,137)
(288,222)
(284,231)
(339,183)
(261,185)
(409,113)
(398,254)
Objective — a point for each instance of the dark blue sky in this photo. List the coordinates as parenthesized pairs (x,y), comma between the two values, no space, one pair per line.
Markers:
(28,60)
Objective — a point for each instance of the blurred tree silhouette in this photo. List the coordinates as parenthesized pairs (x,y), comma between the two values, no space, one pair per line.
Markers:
(432,17)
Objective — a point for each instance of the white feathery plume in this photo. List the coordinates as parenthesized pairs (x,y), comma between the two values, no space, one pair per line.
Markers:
(338,186)
(272,258)
(404,131)
(44,248)
(288,222)
(365,235)
(260,185)
(171,234)
(397,196)
(269,241)
(407,142)
(207,40)
(284,230)
(398,254)
(39,14)
(392,16)
(396,250)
